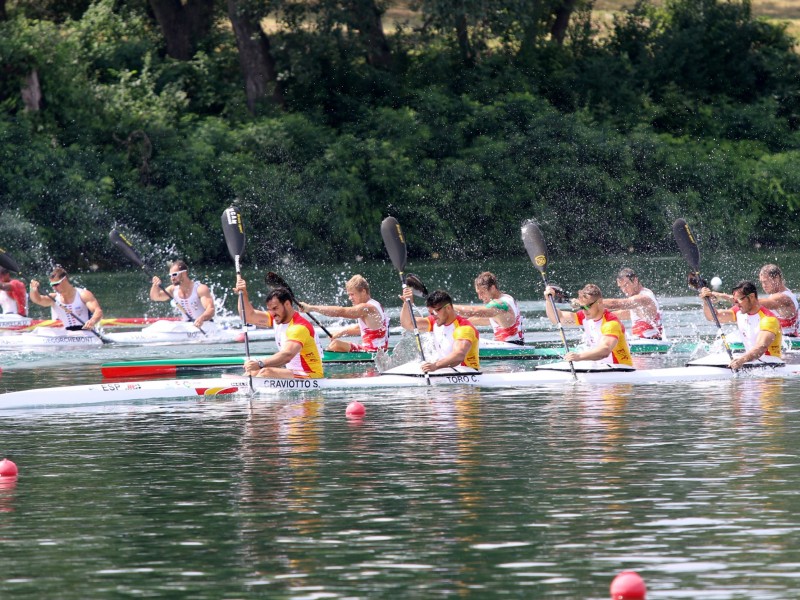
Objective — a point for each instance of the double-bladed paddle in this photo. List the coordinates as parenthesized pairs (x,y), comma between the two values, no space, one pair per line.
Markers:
(274,280)
(395,244)
(125,246)
(691,254)
(7,261)
(233,230)
(534,243)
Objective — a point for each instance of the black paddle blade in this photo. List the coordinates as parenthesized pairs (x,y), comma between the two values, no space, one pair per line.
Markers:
(416,285)
(8,262)
(533,240)
(121,242)
(686,243)
(695,281)
(273,280)
(395,242)
(233,230)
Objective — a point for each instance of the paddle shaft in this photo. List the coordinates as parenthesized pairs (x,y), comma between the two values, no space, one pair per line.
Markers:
(691,254)
(558,324)
(242,311)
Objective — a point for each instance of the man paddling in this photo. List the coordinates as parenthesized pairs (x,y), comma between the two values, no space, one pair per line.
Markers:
(299,355)
(76,308)
(603,331)
(500,310)
(372,322)
(13,296)
(781,301)
(758,326)
(455,337)
(640,306)
(194,298)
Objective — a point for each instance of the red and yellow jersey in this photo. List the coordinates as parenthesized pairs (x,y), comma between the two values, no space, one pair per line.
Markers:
(460,329)
(607,325)
(751,325)
(307,362)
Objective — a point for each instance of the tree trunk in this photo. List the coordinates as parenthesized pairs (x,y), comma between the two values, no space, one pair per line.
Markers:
(183,25)
(255,58)
(562,13)
(367,21)
(3,13)
(462,35)
(32,92)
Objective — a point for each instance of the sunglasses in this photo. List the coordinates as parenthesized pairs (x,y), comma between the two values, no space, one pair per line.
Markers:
(437,310)
(57,283)
(177,273)
(588,306)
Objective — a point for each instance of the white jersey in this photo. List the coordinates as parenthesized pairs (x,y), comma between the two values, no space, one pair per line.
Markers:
(7,303)
(644,327)
(192,305)
(375,339)
(514,332)
(69,314)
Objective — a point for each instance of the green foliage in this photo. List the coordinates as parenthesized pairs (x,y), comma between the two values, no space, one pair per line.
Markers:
(688,110)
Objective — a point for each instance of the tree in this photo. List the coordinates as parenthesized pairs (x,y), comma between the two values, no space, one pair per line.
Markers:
(255,57)
(183,24)
(365,18)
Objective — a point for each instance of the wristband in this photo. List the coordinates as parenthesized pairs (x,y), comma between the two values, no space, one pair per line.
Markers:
(260,364)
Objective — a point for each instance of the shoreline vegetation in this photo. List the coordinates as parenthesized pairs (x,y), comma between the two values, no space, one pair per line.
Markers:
(604,120)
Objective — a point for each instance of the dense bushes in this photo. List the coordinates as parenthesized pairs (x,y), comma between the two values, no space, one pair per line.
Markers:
(691,111)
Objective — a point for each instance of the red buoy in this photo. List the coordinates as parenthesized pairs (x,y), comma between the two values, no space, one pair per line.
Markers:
(627,585)
(7,468)
(355,409)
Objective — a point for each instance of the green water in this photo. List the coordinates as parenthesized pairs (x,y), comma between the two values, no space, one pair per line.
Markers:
(531,493)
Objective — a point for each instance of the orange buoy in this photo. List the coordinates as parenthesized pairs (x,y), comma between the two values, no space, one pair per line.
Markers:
(355,409)
(8,468)
(628,585)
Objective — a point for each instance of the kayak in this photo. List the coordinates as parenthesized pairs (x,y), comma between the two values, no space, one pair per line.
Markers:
(180,332)
(406,376)
(489,350)
(161,332)
(177,366)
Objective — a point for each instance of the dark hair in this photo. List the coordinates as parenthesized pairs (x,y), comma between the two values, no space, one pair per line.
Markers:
(438,298)
(627,272)
(746,287)
(281,293)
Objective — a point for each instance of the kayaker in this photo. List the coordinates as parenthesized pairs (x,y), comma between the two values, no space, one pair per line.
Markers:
(780,299)
(758,326)
(13,295)
(604,333)
(372,322)
(76,308)
(299,354)
(455,337)
(500,310)
(195,298)
(640,306)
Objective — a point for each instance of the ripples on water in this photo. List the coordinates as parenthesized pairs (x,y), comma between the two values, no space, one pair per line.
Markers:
(434,493)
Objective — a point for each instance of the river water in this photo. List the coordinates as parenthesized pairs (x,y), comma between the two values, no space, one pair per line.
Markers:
(535,493)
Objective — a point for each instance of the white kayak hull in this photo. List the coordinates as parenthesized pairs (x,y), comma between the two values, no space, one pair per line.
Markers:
(162,333)
(226,385)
